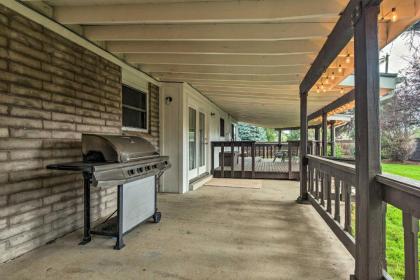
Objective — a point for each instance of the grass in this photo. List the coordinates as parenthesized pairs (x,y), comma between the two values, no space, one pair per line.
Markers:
(394,228)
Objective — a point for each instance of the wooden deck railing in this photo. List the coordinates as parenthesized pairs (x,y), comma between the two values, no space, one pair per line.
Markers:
(246,148)
(234,159)
(332,181)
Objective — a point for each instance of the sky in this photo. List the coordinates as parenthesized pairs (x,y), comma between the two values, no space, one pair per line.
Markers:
(398,51)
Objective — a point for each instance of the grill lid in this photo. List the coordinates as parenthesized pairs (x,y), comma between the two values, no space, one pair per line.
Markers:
(116,148)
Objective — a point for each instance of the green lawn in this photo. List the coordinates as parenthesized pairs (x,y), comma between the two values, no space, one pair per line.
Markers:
(394,228)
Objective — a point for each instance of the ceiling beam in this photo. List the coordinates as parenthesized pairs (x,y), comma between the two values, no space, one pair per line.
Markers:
(229,77)
(200,11)
(211,59)
(217,47)
(211,69)
(209,32)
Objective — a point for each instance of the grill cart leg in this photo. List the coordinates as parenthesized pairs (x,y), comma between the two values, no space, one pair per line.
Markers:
(157,215)
(120,243)
(86,201)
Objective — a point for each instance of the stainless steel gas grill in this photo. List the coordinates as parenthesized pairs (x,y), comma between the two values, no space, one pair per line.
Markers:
(132,164)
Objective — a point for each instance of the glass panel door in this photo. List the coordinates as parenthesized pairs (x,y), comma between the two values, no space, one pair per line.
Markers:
(192,143)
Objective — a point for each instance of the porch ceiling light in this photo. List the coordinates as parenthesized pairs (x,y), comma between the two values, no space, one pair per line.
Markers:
(348,58)
(340,69)
(394,15)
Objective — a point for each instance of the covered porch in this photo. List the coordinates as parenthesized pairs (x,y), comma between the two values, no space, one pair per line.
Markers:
(221,233)
(197,67)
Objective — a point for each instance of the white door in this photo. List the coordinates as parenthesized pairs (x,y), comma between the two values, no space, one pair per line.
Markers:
(197,137)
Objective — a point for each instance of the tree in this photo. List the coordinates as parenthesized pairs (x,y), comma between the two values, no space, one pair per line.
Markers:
(401,114)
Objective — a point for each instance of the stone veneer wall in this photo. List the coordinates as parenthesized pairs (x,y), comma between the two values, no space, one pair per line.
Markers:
(51,91)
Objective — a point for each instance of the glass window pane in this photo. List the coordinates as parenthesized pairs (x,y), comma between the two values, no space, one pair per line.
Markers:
(134,108)
(192,139)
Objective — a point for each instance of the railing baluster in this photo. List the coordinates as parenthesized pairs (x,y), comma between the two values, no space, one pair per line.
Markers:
(347,208)
(253,160)
(337,199)
(232,159)
(316,184)
(411,229)
(212,159)
(222,151)
(328,179)
(289,151)
(242,160)
(322,188)
(328,192)
(310,179)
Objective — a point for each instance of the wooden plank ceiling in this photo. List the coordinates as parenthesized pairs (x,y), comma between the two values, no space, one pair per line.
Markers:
(247,56)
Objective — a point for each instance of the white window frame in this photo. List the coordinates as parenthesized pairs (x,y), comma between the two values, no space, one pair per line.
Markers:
(129,128)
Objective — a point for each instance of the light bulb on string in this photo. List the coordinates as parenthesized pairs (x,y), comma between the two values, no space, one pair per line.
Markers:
(348,58)
(341,90)
(332,76)
(394,15)
(340,69)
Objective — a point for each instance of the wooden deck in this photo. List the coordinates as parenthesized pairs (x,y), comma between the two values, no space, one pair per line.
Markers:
(264,169)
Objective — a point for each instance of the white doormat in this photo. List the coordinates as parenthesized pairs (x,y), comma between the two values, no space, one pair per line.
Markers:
(235,183)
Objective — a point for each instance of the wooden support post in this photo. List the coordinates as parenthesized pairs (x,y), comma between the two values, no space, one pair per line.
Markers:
(324,135)
(370,209)
(280,136)
(303,198)
(332,138)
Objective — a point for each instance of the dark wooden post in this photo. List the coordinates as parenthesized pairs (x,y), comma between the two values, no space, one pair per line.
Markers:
(370,209)
(303,148)
(324,134)
(332,138)
(317,148)
(280,136)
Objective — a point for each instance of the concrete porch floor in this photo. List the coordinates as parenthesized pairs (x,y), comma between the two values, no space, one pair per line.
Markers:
(211,233)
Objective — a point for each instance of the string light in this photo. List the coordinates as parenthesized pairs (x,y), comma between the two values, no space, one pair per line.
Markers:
(324,90)
(332,76)
(394,15)
(327,80)
(342,90)
(348,58)
(340,69)
(317,89)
